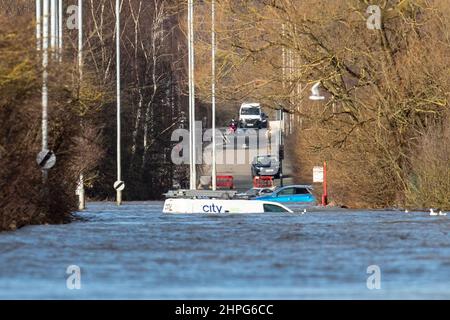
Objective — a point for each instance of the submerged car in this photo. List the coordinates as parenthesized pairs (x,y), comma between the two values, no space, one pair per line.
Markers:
(293,193)
(266,166)
(254,192)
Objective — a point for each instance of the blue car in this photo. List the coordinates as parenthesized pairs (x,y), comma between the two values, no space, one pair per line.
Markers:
(293,193)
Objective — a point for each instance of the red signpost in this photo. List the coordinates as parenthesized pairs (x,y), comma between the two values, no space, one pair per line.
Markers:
(325,192)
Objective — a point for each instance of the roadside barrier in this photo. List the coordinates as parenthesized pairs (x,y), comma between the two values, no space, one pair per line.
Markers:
(225,182)
(263,182)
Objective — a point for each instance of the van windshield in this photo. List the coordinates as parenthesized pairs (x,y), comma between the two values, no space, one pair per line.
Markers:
(250,111)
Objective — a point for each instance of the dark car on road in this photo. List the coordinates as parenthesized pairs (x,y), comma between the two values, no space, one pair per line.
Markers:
(266,165)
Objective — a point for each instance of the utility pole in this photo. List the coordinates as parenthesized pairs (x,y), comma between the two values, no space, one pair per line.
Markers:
(45,83)
(53,27)
(213,92)
(60,29)
(192,142)
(38,24)
(80,191)
(119,182)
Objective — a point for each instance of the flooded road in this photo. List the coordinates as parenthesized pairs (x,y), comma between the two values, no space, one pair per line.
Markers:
(136,252)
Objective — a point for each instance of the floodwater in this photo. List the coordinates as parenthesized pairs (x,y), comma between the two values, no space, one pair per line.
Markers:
(136,252)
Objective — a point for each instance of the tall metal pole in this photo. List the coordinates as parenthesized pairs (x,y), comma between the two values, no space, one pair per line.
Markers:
(45,83)
(213,92)
(80,39)
(60,29)
(119,166)
(53,27)
(38,24)
(45,79)
(193,171)
(81,193)
(190,93)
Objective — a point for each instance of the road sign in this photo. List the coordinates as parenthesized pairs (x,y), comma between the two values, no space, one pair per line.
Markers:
(318,174)
(315,95)
(46,159)
(119,185)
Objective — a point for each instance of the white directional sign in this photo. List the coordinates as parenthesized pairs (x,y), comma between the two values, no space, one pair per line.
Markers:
(315,94)
(318,174)
(46,159)
(119,185)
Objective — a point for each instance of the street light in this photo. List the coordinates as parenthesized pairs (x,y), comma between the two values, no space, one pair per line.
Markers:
(80,189)
(45,82)
(60,29)
(119,184)
(192,142)
(38,24)
(213,93)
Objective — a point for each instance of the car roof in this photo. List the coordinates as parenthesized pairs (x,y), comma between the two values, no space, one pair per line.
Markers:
(296,186)
(265,155)
(250,104)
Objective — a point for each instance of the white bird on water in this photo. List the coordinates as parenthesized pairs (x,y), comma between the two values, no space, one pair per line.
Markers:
(432,213)
(442,213)
(315,92)
(304,211)
(406,211)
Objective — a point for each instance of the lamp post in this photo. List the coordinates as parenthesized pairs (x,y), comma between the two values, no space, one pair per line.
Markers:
(53,26)
(45,30)
(119,184)
(80,191)
(60,29)
(213,93)
(192,142)
(38,24)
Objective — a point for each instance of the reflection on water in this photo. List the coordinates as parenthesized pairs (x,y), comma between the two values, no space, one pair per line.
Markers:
(136,252)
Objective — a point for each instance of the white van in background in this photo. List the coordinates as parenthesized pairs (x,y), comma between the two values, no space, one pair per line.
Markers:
(251,116)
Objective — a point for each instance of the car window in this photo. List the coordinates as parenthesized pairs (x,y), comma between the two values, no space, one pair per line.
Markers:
(273,208)
(286,192)
(301,191)
(265,191)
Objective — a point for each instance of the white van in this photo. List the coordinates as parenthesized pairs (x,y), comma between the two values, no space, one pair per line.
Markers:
(212,206)
(251,116)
